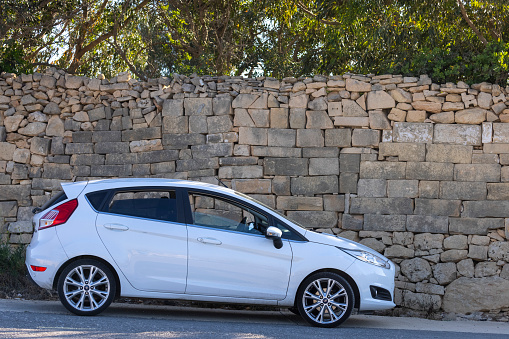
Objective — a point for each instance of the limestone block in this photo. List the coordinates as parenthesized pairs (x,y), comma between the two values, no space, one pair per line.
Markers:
(55,127)
(339,137)
(390,223)
(310,186)
(261,102)
(373,244)
(472,223)
(393,206)
(51,108)
(402,188)
(33,129)
(429,288)
(498,191)
(300,203)
(398,251)
(198,106)
(297,118)
(260,117)
(243,118)
(285,166)
(457,134)
(323,166)
(453,255)
(352,109)
(466,268)
(48,81)
(219,124)
(404,151)
(142,134)
(348,182)
(319,120)
(349,163)
(145,145)
(428,241)
(429,171)
(372,188)
(111,147)
(73,82)
(453,106)
(496,148)
(444,273)
(378,120)
(499,108)
(97,114)
(198,164)
(334,203)
(443,118)
(416,269)
(12,123)
(279,118)
(111,170)
(413,132)
(282,137)
(221,105)
(499,250)
(314,219)
(416,116)
(253,186)
(382,170)
(458,154)
(335,109)
(477,172)
(7,151)
(427,223)
(365,138)
(351,121)
(500,133)
(440,207)
(352,222)
(212,150)
(173,107)
(281,185)
(485,269)
(277,152)
(100,136)
(87,159)
(401,96)
(477,252)
(21,227)
(319,104)
(299,101)
(353,85)
(453,190)
(57,171)
(457,242)
(484,100)
(428,106)
(310,138)
(21,155)
(380,100)
(472,116)
(8,208)
(397,114)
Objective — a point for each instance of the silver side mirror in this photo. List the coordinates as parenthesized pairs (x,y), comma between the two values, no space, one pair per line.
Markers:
(275,234)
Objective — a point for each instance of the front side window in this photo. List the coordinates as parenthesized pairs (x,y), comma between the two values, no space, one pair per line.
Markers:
(149,204)
(222,214)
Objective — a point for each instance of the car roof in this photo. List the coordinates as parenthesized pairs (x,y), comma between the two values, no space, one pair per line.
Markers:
(94,185)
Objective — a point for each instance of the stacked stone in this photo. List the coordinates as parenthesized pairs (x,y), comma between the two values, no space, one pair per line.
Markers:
(415,170)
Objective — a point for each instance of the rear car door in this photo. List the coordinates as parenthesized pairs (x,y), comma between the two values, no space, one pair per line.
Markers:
(229,255)
(143,231)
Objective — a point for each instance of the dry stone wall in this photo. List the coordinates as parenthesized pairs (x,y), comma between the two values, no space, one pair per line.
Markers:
(417,171)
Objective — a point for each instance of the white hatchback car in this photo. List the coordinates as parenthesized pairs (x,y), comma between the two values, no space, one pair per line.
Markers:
(176,239)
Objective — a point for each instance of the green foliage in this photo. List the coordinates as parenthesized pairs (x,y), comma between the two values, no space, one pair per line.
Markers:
(12,60)
(12,266)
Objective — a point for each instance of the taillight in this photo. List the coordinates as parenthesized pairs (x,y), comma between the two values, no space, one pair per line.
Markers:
(58,215)
(37,268)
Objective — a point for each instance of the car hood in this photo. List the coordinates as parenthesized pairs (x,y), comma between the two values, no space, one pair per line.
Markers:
(332,240)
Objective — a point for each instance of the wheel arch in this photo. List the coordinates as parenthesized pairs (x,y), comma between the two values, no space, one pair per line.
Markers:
(349,279)
(101,260)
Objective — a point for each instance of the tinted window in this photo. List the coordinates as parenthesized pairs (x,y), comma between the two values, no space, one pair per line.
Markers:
(59,197)
(225,215)
(150,204)
(96,199)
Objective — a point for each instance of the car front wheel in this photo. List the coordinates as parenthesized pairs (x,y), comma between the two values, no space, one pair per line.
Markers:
(325,299)
(86,287)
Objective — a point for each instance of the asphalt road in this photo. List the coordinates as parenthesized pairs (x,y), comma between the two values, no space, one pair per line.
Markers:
(46,319)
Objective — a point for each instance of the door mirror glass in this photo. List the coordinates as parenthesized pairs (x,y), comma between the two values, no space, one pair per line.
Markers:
(275,234)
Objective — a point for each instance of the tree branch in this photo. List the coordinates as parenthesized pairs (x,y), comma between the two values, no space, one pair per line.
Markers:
(308,12)
(470,23)
(126,60)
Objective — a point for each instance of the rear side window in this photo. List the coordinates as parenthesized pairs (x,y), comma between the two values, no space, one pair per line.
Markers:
(57,198)
(149,204)
(96,199)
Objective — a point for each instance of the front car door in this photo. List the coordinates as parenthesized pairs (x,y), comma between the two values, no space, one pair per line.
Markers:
(143,230)
(229,255)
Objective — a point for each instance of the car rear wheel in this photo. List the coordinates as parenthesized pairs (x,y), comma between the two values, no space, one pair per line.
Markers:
(86,287)
(325,299)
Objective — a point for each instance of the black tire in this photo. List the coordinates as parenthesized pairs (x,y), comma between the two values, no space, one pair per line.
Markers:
(84,297)
(325,299)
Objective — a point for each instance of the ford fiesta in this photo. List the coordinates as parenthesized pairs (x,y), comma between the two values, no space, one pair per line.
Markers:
(176,239)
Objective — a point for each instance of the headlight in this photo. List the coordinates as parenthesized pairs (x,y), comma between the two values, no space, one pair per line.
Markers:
(368,257)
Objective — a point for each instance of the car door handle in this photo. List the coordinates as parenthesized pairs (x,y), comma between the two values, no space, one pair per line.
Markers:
(116,227)
(211,241)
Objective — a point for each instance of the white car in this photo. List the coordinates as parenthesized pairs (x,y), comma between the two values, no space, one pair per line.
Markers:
(177,239)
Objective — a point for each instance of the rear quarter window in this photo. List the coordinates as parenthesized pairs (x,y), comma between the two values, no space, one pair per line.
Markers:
(57,198)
